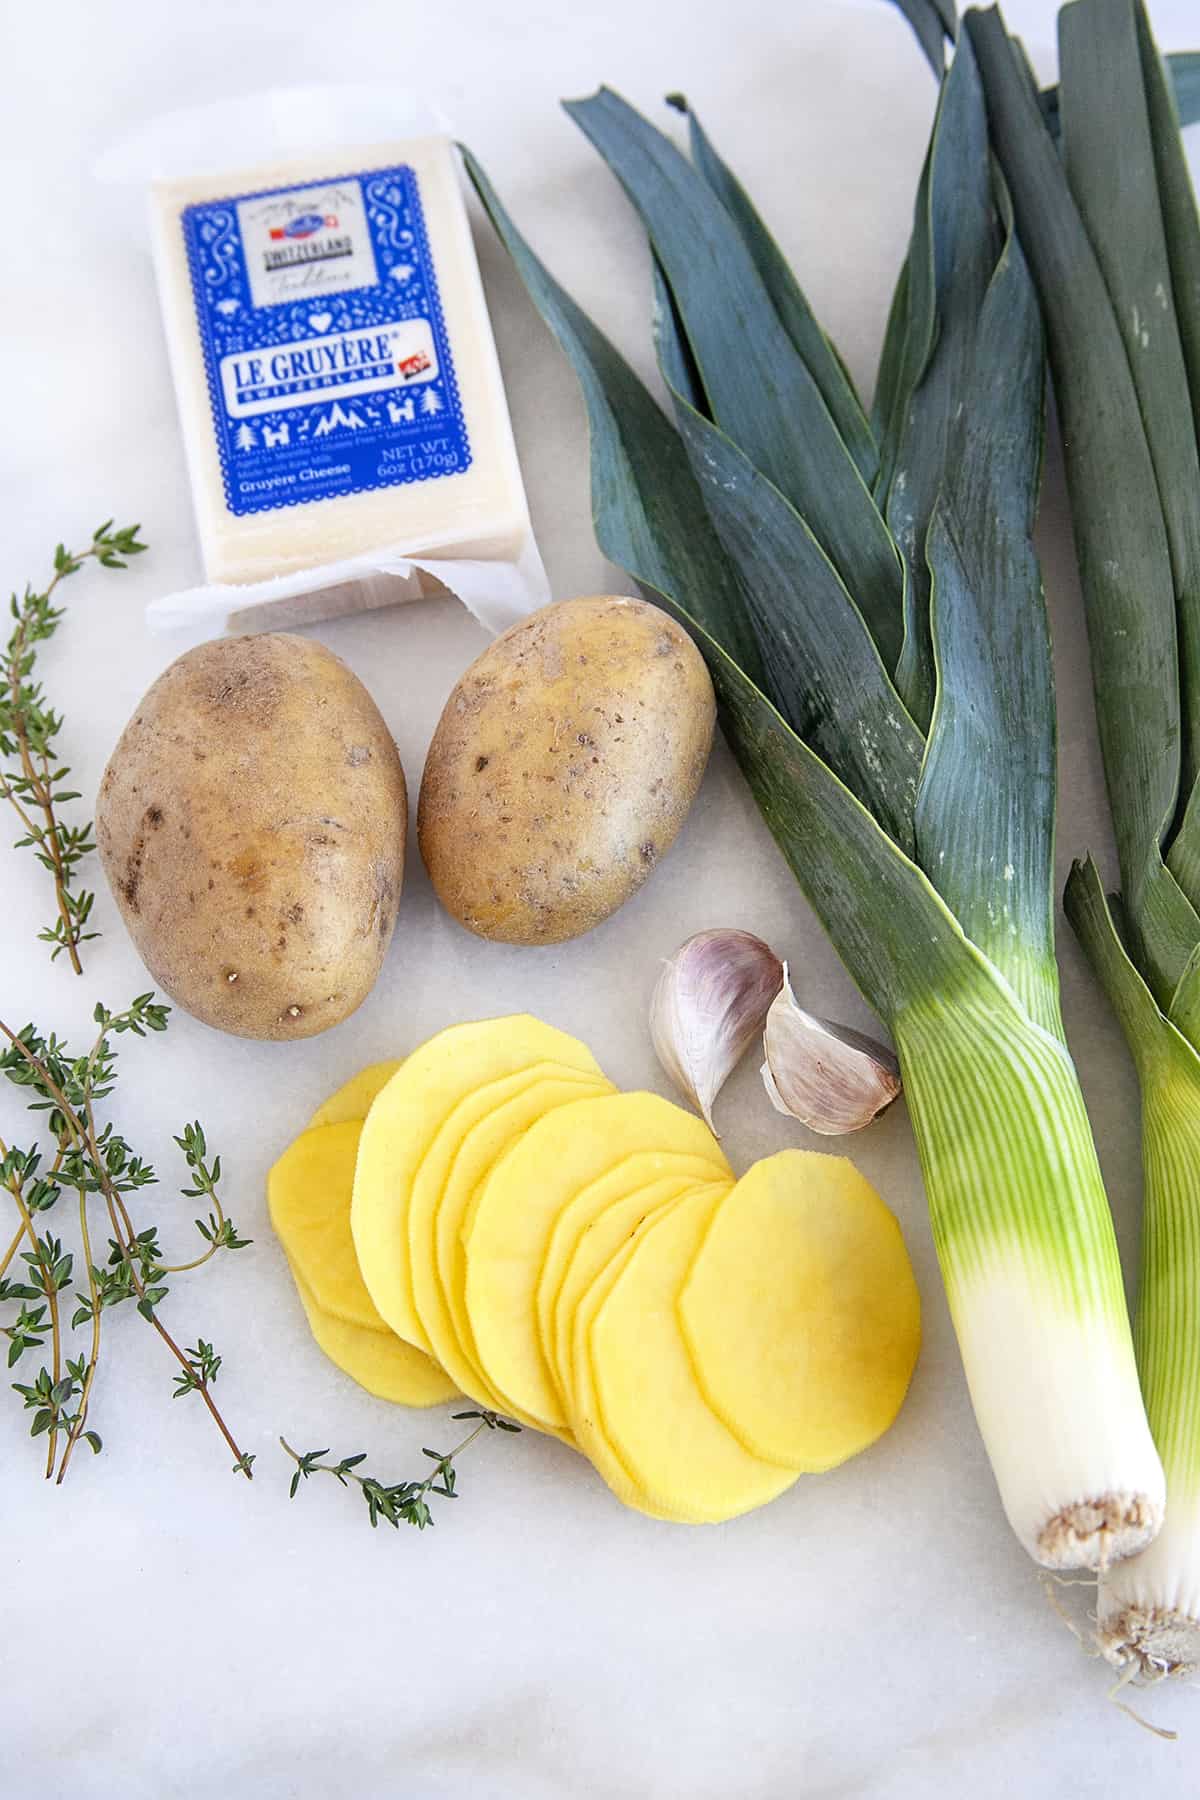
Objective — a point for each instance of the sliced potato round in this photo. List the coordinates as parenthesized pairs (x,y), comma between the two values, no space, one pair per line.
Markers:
(604,1236)
(308,1194)
(642,1171)
(452,1170)
(308,1198)
(801,1311)
(649,1407)
(507,1233)
(402,1124)
(353,1100)
(583,1404)
(378,1361)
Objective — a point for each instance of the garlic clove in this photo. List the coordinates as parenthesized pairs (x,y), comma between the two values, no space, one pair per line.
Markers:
(831,1078)
(709,1005)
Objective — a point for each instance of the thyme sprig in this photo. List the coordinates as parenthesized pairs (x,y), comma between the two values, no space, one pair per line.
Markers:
(403,1502)
(100,1165)
(32,779)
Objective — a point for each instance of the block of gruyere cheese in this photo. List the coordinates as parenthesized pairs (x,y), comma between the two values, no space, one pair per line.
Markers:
(334,363)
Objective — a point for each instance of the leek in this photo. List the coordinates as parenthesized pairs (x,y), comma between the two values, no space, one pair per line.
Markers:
(1112,233)
(874,623)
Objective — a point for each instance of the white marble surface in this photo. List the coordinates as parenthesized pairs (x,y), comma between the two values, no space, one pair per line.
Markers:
(169,1631)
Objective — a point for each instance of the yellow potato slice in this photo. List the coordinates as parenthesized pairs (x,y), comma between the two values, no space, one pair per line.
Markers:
(507,1234)
(353,1100)
(613,1223)
(459,1160)
(377,1360)
(580,1212)
(586,1420)
(801,1311)
(648,1405)
(308,1197)
(456,1204)
(402,1124)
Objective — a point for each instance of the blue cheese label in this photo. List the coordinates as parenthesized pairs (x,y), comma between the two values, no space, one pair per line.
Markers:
(329,367)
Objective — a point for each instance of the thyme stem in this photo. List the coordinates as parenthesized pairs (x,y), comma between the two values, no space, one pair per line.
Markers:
(404,1501)
(50,1290)
(94,1357)
(19,650)
(12,1249)
(338,1469)
(27,729)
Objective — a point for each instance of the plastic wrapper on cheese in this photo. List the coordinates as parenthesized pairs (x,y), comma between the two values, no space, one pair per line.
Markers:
(347,434)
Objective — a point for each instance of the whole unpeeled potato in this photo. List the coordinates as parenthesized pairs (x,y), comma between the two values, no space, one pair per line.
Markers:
(252,824)
(562,768)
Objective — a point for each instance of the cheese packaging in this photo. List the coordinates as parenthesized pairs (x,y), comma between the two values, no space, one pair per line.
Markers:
(347,434)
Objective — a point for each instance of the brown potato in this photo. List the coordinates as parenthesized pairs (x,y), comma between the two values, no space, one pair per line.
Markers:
(252,824)
(562,768)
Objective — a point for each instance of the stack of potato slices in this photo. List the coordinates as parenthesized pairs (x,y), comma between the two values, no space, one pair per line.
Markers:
(491,1217)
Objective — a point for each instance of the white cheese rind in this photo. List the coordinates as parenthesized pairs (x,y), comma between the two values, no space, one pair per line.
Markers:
(478,512)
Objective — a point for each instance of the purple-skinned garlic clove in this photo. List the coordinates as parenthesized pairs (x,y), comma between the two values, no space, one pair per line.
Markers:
(833,1079)
(709,1005)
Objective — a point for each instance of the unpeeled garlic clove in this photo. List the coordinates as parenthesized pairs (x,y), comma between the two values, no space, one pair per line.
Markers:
(709,1005)
(833,1079)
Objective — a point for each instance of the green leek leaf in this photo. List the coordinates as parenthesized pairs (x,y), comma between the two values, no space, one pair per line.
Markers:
(889,925)
(759,389)
(1183,71)
(1182,227)
(915,676)
(1183,75)
(1165,926)
(1177,197)
(1026,64)
(1183,857)
(1184,1010)
(675,360)
(883,916)
(1091,916)
(819,354)
(933,21)
(1110,165)
(1120,536)
(950,261)
(643,455)
(985,814)
(891,357)
(911,332)
(822,669)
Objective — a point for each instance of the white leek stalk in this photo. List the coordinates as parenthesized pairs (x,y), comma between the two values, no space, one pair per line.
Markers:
(1025,1241)
(1149,1607)
(1148,1614)
(1108,221)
